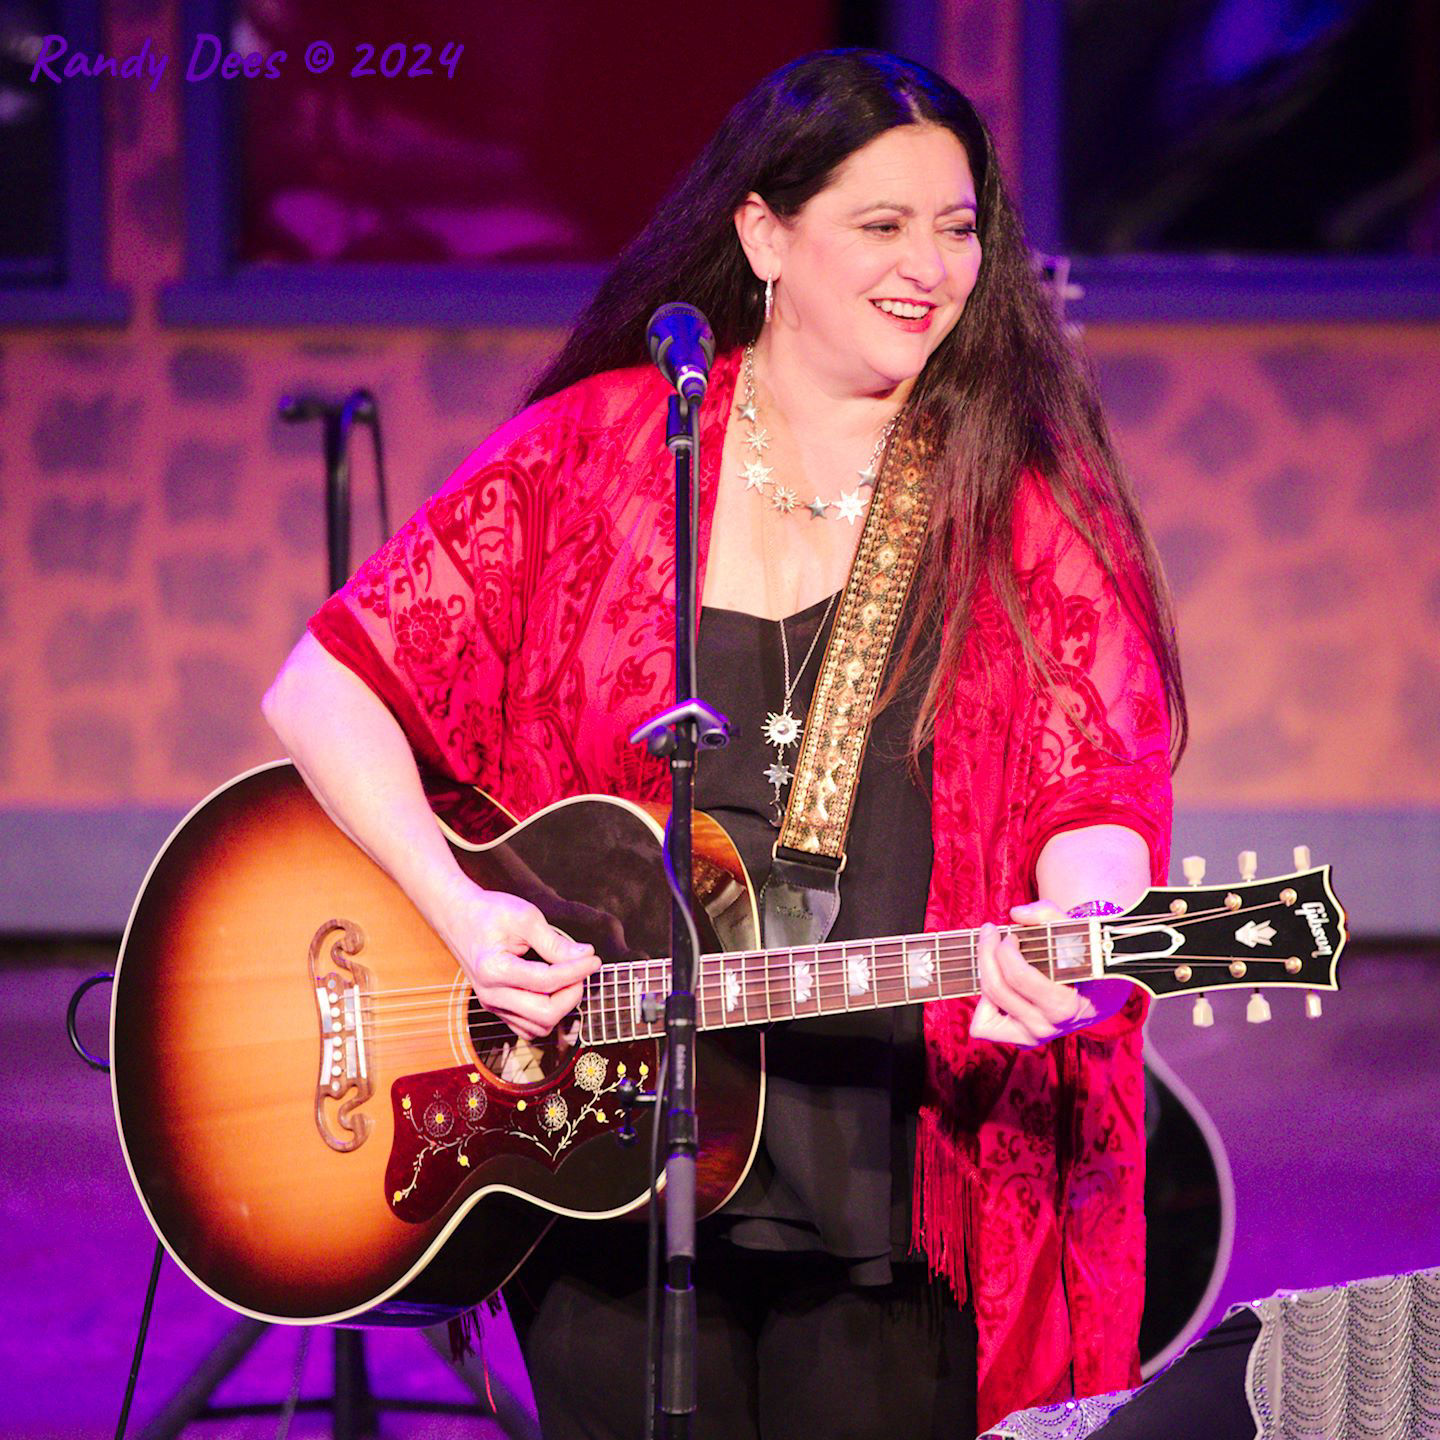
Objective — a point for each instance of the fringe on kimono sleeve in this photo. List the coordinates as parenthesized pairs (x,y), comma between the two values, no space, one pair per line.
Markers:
(943,1211)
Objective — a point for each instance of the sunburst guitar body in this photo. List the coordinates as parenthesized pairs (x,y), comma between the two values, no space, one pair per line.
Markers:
(311,1101)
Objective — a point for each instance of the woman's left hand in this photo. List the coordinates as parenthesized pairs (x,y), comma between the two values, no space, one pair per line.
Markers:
(1020,1006)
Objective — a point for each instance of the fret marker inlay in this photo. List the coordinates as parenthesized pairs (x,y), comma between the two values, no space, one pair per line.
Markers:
(804,981)
(732,990)
(922,969)
(859,972)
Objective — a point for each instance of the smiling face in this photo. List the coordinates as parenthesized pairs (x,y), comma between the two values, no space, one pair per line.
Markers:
(875,270)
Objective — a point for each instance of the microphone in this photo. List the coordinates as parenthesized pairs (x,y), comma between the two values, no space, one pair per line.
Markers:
(359,406)
(682,345)
(297,408)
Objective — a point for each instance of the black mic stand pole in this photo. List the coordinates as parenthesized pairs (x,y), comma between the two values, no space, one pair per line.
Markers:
(337,499)
(677,1316)
(677,733)
(338,423)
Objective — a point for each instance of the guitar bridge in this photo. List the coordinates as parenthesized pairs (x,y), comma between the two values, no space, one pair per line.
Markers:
(345,1083)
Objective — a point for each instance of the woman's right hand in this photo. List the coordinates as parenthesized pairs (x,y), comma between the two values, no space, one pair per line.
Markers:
(490,932)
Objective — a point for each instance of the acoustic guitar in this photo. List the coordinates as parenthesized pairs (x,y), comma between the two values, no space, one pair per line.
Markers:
(324,1125)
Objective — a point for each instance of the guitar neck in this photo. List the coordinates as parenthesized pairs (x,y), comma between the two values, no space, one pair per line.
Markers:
(753,987)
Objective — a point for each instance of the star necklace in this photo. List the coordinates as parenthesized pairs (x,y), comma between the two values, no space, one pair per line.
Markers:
(760,476)
(782,730)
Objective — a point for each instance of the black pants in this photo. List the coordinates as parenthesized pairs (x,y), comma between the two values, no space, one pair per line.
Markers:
(788,1347)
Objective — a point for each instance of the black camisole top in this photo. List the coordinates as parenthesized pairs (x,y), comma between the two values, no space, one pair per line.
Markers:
(834,1166)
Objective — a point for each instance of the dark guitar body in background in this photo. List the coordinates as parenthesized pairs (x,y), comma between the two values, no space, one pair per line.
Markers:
(1189,1214)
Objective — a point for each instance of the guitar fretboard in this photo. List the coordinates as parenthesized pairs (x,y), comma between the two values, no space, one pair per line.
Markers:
(753,987)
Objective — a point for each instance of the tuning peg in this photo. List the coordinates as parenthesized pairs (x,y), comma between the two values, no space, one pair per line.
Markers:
(1193,867)
(1302,857)
(1257,1012)
(1202,1016)
(1312,1005)
(1249,863)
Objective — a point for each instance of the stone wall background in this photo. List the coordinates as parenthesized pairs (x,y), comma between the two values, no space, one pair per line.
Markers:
(161,532)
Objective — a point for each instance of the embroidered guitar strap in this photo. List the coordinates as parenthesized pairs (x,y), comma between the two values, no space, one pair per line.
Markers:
(801,898)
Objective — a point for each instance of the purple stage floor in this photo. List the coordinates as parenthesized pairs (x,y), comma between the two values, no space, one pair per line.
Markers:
(1332,1128)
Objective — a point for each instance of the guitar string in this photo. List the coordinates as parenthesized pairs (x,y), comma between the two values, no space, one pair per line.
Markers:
(610,1007)
(754,959)
(626,1030)
(615,997)
(713,969)
(618,1014)
(620,1018)
(1066,929)
(765,963)
(614,1008)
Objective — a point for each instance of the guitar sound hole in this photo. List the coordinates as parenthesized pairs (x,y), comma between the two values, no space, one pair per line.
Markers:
(511,1057)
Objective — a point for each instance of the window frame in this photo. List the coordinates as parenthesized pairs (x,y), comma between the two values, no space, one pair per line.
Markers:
(218,291)
(1164,287)
(83,294)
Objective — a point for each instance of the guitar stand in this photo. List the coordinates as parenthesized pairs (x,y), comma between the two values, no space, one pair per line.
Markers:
(353,1406)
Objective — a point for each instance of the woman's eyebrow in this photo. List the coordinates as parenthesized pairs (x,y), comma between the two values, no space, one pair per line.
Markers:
(909,210)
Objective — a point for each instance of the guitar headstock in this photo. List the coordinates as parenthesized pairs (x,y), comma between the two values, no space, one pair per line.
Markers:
(1286,931)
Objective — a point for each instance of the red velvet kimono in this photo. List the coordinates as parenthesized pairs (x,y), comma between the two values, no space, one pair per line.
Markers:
(521,625)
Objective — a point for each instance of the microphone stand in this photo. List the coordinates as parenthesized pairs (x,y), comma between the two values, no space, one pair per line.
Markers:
(359,406)
(354,1407)
(677,733)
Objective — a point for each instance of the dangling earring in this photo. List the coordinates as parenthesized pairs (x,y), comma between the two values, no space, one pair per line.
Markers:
(769,297)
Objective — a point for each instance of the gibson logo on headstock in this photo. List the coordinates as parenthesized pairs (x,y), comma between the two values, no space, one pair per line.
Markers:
(1313,913)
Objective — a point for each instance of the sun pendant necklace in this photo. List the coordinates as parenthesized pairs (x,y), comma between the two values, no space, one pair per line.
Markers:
(782,730)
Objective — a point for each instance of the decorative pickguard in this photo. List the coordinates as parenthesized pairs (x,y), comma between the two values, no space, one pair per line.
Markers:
(449,1123)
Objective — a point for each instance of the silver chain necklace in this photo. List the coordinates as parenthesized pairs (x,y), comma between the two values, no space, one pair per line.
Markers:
(760,476)
(782,730)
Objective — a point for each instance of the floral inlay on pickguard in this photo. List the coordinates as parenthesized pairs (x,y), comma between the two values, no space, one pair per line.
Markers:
(449,1122)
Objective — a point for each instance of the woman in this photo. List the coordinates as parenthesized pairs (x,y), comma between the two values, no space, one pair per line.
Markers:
(848,235)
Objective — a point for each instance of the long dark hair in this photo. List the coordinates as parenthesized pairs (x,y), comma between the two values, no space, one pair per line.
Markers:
(1004,393)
